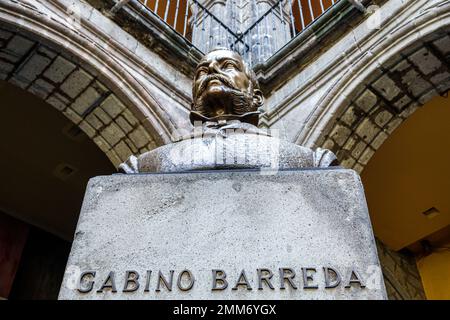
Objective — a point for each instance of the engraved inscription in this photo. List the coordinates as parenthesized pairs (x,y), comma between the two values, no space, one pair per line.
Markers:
(306,278)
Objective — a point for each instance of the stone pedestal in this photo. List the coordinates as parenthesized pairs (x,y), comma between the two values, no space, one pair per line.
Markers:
(301,234)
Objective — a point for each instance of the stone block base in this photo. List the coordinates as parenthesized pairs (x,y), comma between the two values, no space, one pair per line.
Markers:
(302,234)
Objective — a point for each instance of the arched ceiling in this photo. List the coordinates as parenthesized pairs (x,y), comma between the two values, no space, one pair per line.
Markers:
(46,162)
(409,175)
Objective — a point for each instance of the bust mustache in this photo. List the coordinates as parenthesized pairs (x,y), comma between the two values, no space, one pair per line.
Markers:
(233,100)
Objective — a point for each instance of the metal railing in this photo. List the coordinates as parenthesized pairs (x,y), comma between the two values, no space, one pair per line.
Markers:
(175,13)
(279,25)
(267,33)
(194,22)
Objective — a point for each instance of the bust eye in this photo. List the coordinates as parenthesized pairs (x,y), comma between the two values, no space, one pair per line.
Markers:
(201,72)
(230,65)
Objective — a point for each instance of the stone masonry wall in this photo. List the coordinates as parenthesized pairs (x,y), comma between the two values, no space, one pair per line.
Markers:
(79,95)
(401,276)
(391,95)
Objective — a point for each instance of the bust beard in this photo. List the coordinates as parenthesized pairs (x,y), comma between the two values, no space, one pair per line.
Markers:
(233,102)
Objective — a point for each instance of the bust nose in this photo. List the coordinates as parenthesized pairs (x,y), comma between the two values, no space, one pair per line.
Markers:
(214,67)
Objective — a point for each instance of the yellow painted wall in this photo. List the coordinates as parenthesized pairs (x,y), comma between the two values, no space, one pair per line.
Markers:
(435,273)
(409,174)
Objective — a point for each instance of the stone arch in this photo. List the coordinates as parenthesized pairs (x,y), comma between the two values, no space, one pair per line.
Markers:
(78,77)
(385,86)
(386,82)
(404,83)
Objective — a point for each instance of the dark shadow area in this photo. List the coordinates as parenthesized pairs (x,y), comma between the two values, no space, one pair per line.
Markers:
(41,267)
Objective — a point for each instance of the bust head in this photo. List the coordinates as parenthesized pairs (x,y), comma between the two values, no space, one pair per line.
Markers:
(225,88)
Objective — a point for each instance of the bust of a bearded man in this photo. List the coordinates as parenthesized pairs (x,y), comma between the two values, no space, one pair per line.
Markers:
(225,89)
(225,113)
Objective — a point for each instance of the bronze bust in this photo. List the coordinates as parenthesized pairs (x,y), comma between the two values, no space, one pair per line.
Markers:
(226,107)
(224,89)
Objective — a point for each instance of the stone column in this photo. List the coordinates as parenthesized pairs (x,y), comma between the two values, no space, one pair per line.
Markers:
(270,33)
(259,41)
(237,16)
(207,31)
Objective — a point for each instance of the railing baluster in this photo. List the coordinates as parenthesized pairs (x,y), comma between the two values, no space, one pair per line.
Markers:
(176,15)
(167,10)
(156,7)
(186,15)
(302,18)
(292,18)
(321,6)
(311,11)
